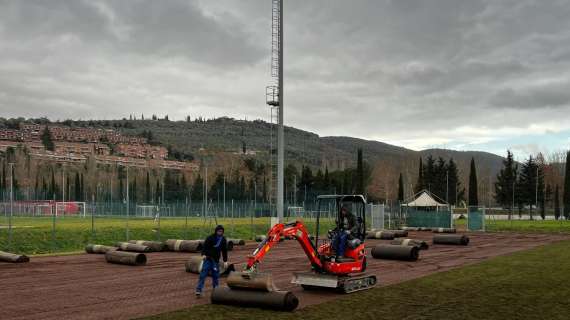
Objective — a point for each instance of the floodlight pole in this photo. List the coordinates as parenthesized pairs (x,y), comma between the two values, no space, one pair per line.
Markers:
(280,130)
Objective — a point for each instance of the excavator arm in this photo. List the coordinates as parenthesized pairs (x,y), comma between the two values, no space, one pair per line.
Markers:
(294,229)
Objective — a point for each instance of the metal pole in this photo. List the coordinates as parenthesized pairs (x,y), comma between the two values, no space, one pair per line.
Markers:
(295,190)
(53,224)
(128,200)
(188,203)
(11,206)
(280,130)
(93,219)
(447,188)
(205,192)
(225,213)
(63,187)
(536,195)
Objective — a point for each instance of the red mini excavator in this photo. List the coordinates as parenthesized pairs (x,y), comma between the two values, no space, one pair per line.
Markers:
(345,274)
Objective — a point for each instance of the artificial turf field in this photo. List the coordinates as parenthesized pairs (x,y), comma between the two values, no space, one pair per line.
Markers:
(532,284)
(40,235)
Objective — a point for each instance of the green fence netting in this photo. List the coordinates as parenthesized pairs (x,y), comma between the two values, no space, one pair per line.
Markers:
(428,219)
(476,219)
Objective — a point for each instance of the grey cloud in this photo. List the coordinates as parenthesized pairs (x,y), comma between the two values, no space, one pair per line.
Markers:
(159,28)
(396,70)
(552,95)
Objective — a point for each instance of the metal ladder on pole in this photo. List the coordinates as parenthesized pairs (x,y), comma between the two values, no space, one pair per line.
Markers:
(272,99)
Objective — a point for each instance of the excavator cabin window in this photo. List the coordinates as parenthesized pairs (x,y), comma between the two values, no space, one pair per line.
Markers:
(355,206)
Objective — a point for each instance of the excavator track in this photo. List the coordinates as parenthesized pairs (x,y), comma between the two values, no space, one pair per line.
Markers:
(357,283)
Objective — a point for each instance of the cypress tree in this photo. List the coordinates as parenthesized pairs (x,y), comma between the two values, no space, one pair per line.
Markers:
(157,192)
(133,191)
(546,195)
(420,185)
(77,187)
(456,192)
(121,194)
(3,179)
(439,179)
(327,181)
(47,140)
(197,190)
(401,188)
(473,192)
(566,196)
(556,203)
(506,180)
(53,188)
(531,177)
(429,174)
(148,196)
(359,173)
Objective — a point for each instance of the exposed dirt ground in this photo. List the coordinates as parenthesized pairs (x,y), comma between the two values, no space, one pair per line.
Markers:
(86,287)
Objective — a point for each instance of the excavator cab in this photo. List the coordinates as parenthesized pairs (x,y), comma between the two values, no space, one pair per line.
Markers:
(355,206)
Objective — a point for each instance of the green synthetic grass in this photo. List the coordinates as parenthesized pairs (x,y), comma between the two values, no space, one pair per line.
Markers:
(546,226)
(537,225)
(526,285)
(37,236)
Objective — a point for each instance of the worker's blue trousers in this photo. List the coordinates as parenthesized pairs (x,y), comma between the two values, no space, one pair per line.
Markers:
(208,267)
(340,243)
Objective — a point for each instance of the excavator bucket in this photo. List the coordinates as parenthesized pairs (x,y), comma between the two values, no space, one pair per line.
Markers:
(311,279)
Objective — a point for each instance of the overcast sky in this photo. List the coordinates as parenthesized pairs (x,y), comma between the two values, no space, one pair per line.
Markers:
(467,75)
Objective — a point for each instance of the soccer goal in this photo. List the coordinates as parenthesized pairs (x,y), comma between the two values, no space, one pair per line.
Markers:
(298,212)
(147,211)
(70,208)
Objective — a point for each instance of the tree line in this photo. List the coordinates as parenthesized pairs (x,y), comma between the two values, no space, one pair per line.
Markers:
(440,178)
(523,185)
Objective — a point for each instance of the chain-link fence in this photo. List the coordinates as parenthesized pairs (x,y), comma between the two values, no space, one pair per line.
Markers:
(36,227)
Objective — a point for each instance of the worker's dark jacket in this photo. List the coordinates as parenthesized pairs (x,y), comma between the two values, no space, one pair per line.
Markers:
(209,250)
(348,223)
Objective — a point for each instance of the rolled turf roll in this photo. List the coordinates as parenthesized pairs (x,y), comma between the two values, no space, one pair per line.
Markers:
(194,265)
(398,233)
(96,248)
(127,258)
(155,246)
(184,245)
(384,235)
(444,230)
(411,228)
(422,245)
(13,258)
(275,300)
(237,242)
(454,239)
(125,246)
(395,252)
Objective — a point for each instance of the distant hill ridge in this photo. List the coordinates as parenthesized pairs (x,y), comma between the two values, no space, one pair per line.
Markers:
(223,135)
